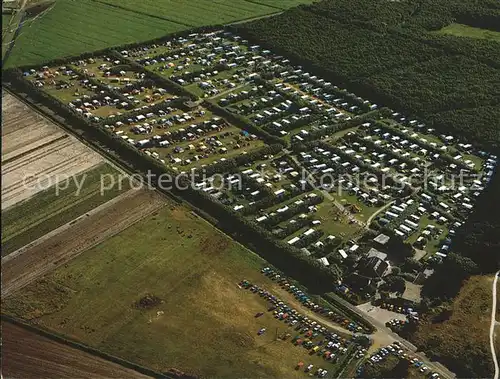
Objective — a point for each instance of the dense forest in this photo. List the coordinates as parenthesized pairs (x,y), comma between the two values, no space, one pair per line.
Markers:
(391,367)
(417,14)
(392,54)
(479,238)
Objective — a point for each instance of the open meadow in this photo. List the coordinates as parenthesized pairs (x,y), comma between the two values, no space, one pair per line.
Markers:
(72,27)
(47,210)
(197,319)
(61,245)
(198,12)
(460,30)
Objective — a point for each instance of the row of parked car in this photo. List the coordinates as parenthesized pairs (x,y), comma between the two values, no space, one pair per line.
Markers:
(397,350)
(398,309)
(292,317)
(396,324)
(306,301)
(311,335)
(320,372)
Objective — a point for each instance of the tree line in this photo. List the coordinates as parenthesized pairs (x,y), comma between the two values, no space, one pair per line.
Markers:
(390,53)
(287,258)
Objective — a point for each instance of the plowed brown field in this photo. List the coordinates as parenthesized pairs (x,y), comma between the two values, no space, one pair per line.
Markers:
(27,355)
(36,152)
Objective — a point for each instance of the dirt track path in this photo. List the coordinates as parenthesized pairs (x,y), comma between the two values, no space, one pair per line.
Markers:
(55,249)
(27,355)
(493,323)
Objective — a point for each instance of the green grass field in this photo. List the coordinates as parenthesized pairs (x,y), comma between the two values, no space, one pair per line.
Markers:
(198,12)
(204,325)
(334,222)
(72,27)
(461,30)
(9,24)
(47,210)
(5,22)
(282,4)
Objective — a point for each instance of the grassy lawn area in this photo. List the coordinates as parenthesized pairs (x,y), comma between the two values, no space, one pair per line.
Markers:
(434,243)
(201,151)
(73,27)
(461,30)
(203,323)
(195,89)
(334,222)
(5,24)
(9,26)
(47,210)
(366,211)
(478,161)
(66,95)
(198,12)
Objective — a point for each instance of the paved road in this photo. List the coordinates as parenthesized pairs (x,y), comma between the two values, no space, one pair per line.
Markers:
(220,94)
(377,212)
(384,332)
(387,333)
(492,326)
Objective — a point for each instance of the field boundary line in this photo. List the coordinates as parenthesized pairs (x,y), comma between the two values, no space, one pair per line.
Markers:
(142,13)
(13,39)
(40,155)
(52,118)
(83,172)
(25,146)
(255,18)
(66,226)
(24,153)
(266,5)
(52,214)
(53,336)
(76,252)
(60,210)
